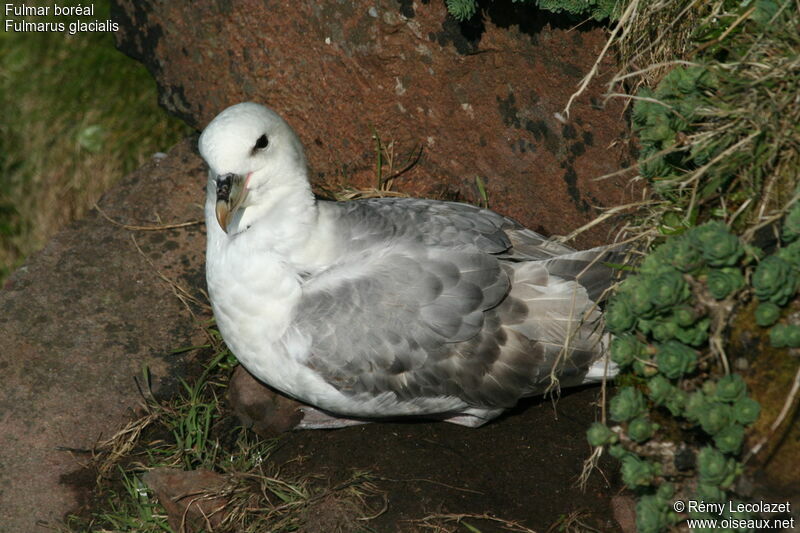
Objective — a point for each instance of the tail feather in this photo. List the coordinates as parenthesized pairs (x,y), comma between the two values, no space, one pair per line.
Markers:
(601,369)
(593,269)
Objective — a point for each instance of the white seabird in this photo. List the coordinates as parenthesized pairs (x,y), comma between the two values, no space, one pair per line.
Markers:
(386,307)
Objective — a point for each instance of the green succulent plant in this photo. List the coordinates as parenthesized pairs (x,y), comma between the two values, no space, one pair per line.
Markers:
(644,106)
(676,404)
(663,393)
(668,289)
(767,313)
(618,452)
(599,435)
(729,439)
(627,404)
(696,403)
(695,335)
(746,410)
(685,256)
(682,81)
(715,417)
(655,166)
(710,493)
(599,10)
(775,280)
(724,281)
(715,469)
(637,472)
(791,224)
(675,359)
(684,315)
(641,429)
(619,316)
(664,330)
(791,254)
(638,292)
(659,389)
(718,246)
(658,130)
(785,336)
(625,349)
(730,388)
(653,515)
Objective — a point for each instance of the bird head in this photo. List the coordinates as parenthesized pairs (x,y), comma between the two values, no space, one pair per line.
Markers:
(249,150)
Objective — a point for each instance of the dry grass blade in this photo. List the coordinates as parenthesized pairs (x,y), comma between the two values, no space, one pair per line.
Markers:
(789,405)
(299,504)
(604,216)
(157,227)
(572,523)
(182,294)
(435,522)
(109,452)
(629,12)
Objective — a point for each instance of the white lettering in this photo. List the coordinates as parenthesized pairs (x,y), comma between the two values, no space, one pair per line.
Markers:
(705,507)
(27,11)
(76,11)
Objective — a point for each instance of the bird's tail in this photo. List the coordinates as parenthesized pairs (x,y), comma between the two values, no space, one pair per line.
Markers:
(603,368)
(595,269)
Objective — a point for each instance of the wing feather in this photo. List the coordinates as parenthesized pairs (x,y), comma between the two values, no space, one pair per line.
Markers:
(439,299)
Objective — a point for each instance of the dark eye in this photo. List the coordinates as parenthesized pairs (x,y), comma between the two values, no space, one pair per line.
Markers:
(262,142)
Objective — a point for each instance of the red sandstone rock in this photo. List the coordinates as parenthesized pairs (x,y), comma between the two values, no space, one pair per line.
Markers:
(189,498)
(480,100)
(79,322)
(260,408)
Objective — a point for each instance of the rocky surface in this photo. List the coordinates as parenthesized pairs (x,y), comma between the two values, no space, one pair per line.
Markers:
(258,408)
(188,497)
(79,322)
(479,99)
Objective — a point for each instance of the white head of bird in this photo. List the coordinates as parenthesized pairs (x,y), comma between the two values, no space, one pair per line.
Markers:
(255,160)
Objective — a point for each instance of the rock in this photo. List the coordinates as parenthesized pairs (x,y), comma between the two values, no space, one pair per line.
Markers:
(189,497)
(259,408)
(479,99)
(79,322)
(624,508)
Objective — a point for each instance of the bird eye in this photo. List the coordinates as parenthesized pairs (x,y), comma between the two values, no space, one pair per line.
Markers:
(261,143)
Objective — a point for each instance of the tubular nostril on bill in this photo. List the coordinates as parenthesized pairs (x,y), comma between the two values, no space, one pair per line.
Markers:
(224,184)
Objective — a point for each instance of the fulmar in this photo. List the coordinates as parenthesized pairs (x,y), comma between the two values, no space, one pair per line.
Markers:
(387,307)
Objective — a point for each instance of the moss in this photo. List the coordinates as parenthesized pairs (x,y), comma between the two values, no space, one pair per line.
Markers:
(769,376)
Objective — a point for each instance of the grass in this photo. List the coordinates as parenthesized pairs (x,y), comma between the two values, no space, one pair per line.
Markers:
(195,430)
(77,116)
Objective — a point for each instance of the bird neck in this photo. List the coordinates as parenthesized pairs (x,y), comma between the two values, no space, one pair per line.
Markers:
(255,258)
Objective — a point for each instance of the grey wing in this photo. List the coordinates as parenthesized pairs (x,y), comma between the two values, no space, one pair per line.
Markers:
(436,223)
(389,321)
(435,299)
(448,323)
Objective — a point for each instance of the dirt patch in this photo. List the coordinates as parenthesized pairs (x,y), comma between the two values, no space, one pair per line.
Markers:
(522,467)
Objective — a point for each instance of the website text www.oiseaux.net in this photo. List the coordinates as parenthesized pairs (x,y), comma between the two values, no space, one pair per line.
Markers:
(723,508)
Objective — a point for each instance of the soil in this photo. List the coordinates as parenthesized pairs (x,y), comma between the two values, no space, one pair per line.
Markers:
(522,467)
